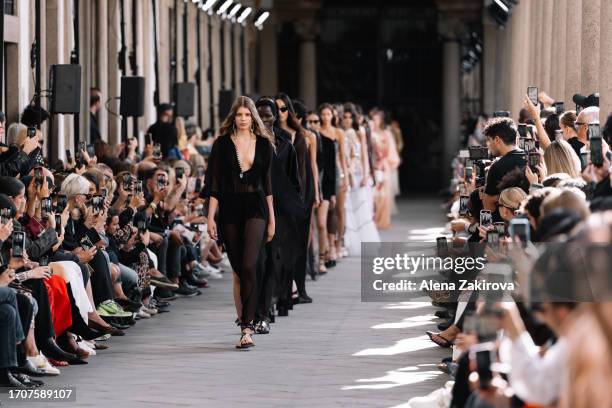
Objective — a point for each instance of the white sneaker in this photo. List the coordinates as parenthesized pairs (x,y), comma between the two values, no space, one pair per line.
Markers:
(41,362)
(213,273)
(87,347)
(224,263)
(142,314)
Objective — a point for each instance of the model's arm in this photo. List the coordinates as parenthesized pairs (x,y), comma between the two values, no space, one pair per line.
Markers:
(342,158)
(365,163)
(313,166)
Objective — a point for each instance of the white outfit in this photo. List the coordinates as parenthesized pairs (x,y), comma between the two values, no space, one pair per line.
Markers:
(359,199)
(77,286)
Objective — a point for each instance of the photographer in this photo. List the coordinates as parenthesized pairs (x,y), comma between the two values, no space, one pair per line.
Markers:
(501,135)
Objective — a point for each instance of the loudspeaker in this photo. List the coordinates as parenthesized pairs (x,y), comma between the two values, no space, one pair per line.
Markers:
(65,85)
(132,96)
(184,99)
(226,100)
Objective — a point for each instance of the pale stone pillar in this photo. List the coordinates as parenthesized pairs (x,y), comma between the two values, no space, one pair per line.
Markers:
(605,61)
(539,36)
(113,73)
(573,73)
(489,53)
(590,46)
(307,62)
(534,51)
(547,45)
(216,67)
(559,61)
(451,101)
(101,74)
(85,59)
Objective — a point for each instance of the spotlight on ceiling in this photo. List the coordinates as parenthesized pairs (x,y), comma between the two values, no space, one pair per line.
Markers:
(224,7)
(259,21)
(208,5)
(500,11)
(244,15)
(232,14)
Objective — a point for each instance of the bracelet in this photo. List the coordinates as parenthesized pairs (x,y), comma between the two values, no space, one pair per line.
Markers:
(21,276)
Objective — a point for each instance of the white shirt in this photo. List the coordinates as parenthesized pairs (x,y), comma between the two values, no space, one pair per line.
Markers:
(537,379)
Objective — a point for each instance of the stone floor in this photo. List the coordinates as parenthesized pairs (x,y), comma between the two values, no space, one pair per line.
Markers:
(338,351)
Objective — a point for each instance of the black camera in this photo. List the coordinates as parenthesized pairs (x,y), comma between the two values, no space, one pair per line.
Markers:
(478,152)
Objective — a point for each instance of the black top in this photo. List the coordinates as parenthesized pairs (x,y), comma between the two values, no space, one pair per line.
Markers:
(328,182)
(240,194)
(286,179)
(576,145)
(501,167)
(94,130)
(165,134)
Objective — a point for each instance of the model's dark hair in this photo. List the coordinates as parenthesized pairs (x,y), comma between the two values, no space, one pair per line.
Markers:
(504,128)
(300,109)
(551,125)
(514,178)
(292,121)
(350,108)
(34,115)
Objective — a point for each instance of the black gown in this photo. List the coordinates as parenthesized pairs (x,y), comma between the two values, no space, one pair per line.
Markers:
(243,211)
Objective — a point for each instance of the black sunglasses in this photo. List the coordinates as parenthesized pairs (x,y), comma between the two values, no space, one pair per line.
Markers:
(315,122)
(283,109)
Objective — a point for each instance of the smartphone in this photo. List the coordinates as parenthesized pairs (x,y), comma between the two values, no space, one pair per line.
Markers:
(96,202)
(157,151)
(46,205)
(58,224)
(468,174)
(463,205)
(485,218)
(559,108)
(161,182)
(38,176)
(18,243)
(198,185)
(5,215)
(533,159)
(31,132)
(68,156)
(127,182)
(520,228)
(200,171)
(529,145)
(522,129)
(596,142)
(532,94)
(442,247)
(104,192)
(180,172)
(43,261)
(148,139)
(521,143)
(501,114)
(86,243)
(500,227)
(493,238)
(90,150)
(142,226)
(138,188)
(82,146)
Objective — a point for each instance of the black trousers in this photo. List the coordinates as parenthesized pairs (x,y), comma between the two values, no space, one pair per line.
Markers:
(301,253)
(283,255)
(101,282)
(11,330)
(43,323)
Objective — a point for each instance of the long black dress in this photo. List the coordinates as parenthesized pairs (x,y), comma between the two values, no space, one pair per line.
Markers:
(243,211)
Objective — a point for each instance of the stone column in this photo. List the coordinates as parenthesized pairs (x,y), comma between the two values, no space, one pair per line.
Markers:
(268,59)
(101,80)
(573,44)
(113,75)
(559,61)
(489,67)
(547,45)
(307,62)
(451,102)
(85,59)
(590,46)
(605,61)
(532,76)
(539,36)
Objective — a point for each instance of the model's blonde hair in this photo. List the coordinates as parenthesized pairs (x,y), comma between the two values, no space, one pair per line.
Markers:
(560,157)
(227,127)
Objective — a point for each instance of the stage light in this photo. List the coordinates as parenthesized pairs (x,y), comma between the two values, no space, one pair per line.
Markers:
(500,10)
(234,11)
(224,7)
(244,15)
(261,19)
(209,5)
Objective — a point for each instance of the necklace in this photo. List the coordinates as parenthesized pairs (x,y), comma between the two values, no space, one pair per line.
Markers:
(235,141)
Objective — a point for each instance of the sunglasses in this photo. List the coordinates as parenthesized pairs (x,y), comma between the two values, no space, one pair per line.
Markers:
(283,109)
(313,122)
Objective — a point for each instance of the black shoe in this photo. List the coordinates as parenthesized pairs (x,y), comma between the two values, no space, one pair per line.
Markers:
(185,291)
(196,282)
(159,304)
(163,283)
(302,299)
(14,383)
(445,325)
(29,369)
(51,350)
(164,294)
(330,264)
(27,381)
(128,305)
(442,314)
(282,311)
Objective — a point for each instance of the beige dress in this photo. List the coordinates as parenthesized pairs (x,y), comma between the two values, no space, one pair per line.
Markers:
(386,161)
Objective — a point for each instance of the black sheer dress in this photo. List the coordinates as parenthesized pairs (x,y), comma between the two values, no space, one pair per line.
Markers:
(243,210)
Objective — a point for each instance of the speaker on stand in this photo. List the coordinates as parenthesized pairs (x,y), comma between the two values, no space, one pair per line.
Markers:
(131,101)
(65,96)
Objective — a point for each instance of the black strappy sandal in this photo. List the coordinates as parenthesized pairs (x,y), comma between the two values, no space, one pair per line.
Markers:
(246,345)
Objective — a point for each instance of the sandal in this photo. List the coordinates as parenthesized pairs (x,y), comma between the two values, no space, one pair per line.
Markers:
(58,363)
(444,343)
(245,341)
(322,268)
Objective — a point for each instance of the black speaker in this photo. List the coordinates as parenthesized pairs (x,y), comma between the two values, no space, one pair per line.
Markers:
(184,99)
(65,85)
(226,100)
(132,96)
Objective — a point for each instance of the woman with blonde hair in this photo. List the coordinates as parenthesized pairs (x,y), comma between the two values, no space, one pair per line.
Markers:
(241,187)
(560,157)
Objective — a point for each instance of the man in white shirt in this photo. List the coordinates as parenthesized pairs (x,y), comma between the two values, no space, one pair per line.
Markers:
(535,377)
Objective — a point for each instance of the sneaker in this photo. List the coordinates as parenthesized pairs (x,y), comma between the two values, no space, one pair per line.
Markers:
(164,295)
(141,314)
(43,365)
(185,290)
(112,309)
(213,273)
(87,347)
(163,283)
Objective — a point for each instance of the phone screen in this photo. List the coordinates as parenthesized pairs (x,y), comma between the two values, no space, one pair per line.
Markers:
(559,107)
(148,139)
(58,224)
(532,93)
(485,218)
(519,228)
(68,156)
(442,246)
(522,129)
(18,242)
(463,204)
(161,182)
(180,172)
